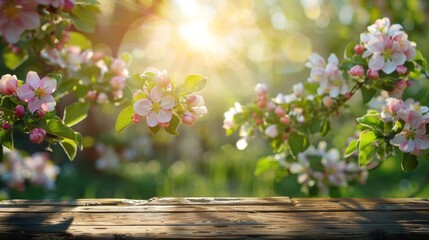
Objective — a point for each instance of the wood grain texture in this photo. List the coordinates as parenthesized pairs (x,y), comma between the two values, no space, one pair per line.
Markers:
(221,218)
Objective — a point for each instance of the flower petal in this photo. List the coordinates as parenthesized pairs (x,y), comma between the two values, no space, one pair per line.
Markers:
(167,102)
(422,142)
(48,103)
(34,104)
(143,107)
(164,116)
(48,84)
(32,80)
(151,119)
(376,62)
(389,67)
(156,94)
(25,93)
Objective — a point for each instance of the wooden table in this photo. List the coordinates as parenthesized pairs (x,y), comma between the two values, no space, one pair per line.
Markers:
(275,217)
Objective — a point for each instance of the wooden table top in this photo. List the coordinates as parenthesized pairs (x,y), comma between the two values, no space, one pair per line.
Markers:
(274,217)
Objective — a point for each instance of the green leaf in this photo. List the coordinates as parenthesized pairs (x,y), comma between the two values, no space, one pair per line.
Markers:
(6,138)
(298,143)
(409,162)
(125,119)
(78,39)
(83,16)
(70,148)
(325,127)
(75,112)
(57,127)
(349,50)
(366,139)
(372,121)
(193,83)
(367,94)
(154,130)
(367,150)
(136,81)
(351,148)
(13,60)
(172,127)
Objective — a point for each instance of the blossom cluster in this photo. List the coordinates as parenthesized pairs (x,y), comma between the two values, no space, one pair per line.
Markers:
(102,78)
(33,99)
(17,16)
(384,60)
(317,167)
(16,170)
(162,105)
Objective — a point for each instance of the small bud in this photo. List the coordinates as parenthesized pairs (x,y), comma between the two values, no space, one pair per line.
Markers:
(271,131)
(188,118)
(8,84)
(409,83)
(195,101)
(271,106)
(162,79)
(261,89)
(117,82)
(91,95)
(37,135)
(347,96)
(285,119)
(68,5)
(401,69)
(40,113)
(358,49)
(20,111)
(6,126)
(328,101)
(357,71)
(372,74)
(401,84)
(137,118)
(279,111)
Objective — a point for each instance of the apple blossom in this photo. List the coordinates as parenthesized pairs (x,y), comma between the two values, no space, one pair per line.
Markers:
(372,74)
(162,79)
(156,108)
(272,131)
(37,92)
(401,69)
(195,101)
(413,135)
(8,84)
(188,118)
(118,67)
(16,16)
(357,71)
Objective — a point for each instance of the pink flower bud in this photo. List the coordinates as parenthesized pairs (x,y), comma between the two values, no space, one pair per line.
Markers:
(137,118)
(91,95)
(409,83)
(271,106)
(162,79)
(118,67)
(357,71)
(401,69)
(285,119)
(347,96)
(199,111)
(117,82)
(372,74)
(401,84)
(8,84)
(68,5)
(20,111)
(188,118)
(6,126)
(279,111)
(358,49)
(37,135)
(40,113)
(195,101)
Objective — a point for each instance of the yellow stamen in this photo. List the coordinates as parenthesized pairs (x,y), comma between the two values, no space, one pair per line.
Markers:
(39,92)
(11,11)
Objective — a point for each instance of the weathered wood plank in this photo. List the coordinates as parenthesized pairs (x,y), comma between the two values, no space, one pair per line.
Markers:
(278,217)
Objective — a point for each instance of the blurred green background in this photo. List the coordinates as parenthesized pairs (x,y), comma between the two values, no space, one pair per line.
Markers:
(236,44)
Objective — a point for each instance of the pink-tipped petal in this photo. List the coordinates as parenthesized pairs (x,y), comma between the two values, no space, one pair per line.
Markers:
(152,120)
(25,93)
(32,80)
(48,84)
(156,94)
(142,107)
(164,116)
(167,102)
